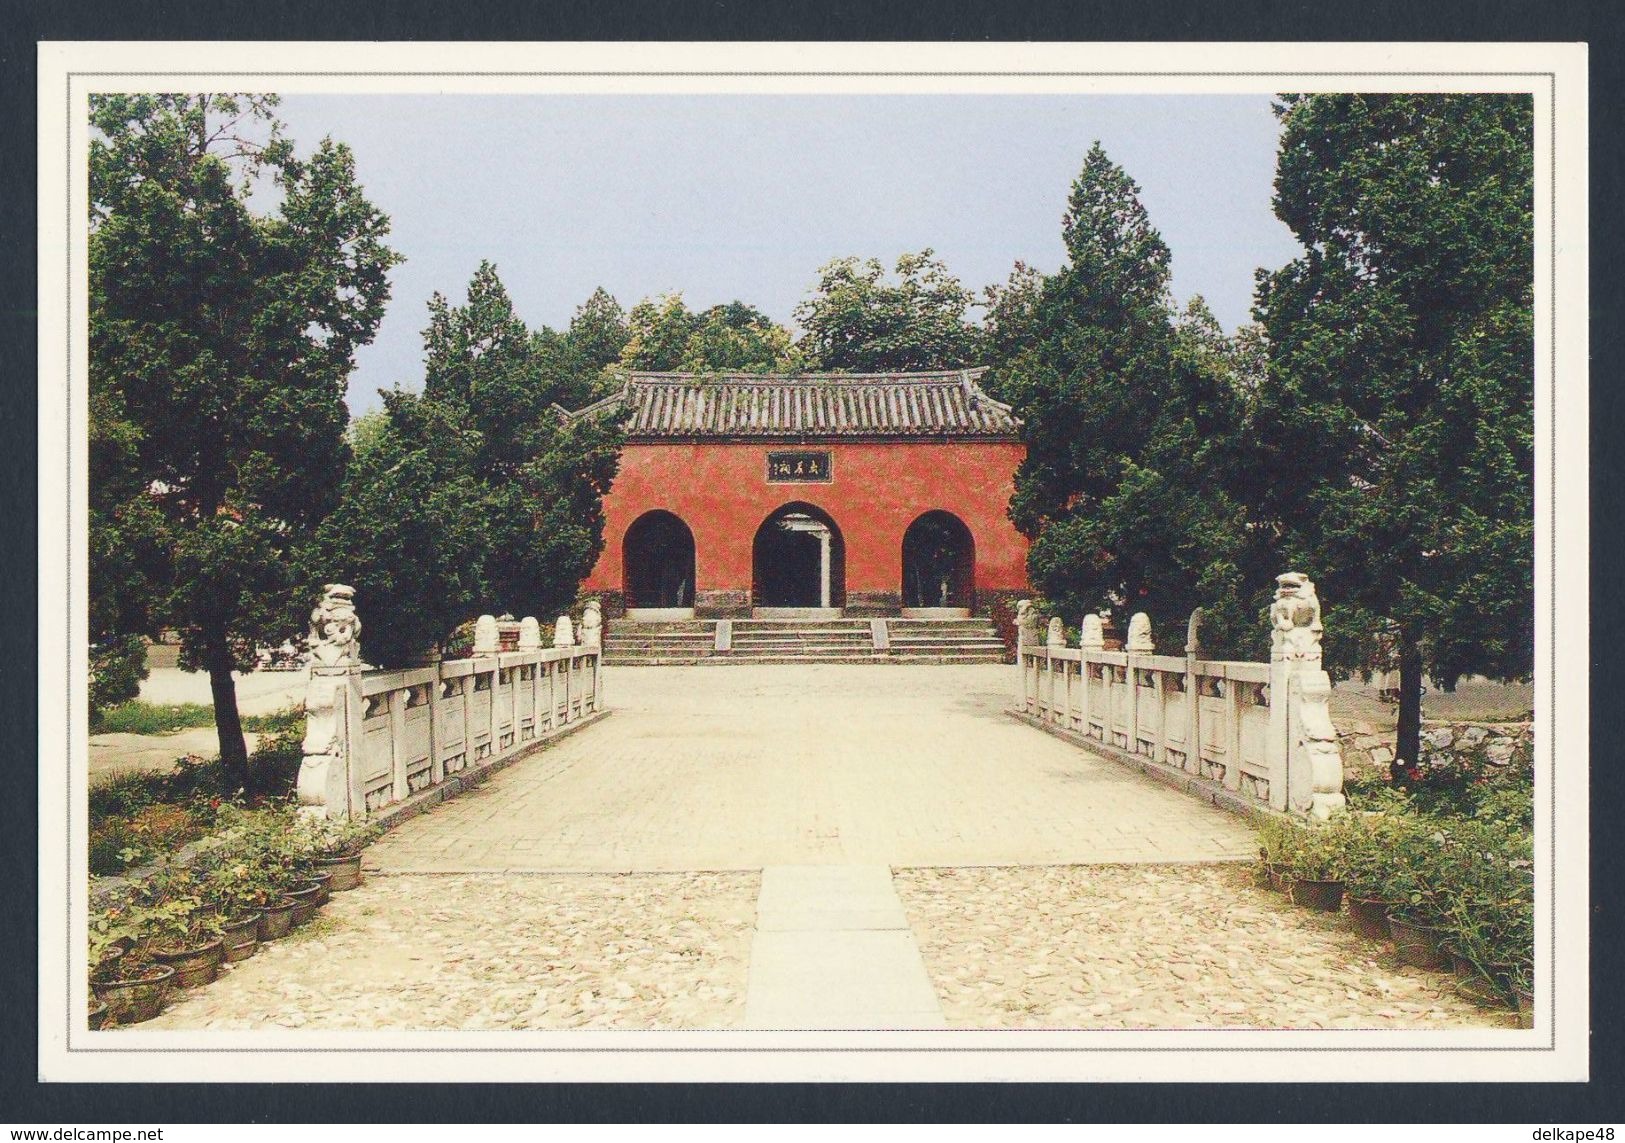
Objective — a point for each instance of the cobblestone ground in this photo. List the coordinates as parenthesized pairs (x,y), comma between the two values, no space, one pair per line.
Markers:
(510,952)
(1196,946)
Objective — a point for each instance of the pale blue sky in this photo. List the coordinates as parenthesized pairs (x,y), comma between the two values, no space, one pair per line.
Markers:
(730,197)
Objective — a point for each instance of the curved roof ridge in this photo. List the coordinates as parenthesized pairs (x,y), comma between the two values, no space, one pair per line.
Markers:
(928,404)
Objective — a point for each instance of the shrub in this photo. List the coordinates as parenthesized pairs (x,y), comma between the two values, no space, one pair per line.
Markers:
(116,670)
(1304,851)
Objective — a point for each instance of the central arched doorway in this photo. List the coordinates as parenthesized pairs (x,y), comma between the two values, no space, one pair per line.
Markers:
(939,566)
(658,571)
(798,561)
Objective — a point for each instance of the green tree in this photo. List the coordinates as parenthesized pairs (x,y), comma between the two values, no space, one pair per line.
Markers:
(857,321)
(409,530)
(221,339)
(658,330)
(738,338)
(598,331)
(1398,407)
(664,335)
(1133,422)
(473,496)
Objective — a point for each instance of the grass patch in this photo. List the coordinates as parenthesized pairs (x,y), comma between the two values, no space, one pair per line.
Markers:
(138,717)
(137,818)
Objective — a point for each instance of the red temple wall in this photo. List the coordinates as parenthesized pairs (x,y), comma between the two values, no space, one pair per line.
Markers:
(720,491)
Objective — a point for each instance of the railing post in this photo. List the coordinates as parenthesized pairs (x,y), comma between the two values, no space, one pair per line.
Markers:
(1091,637)
(397,739)
(329,779)
(1232,736)
(437,719)
(1025,620)
(564,637)
(1301,730)
(1193,695)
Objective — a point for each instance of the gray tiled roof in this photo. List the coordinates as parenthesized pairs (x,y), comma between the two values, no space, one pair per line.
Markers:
(743,405)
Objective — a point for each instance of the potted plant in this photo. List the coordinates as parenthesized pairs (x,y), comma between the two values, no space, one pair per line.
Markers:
(192,946)
(1489,912)
(335,847)
(123,974)
(1368,870)
(305,896)
(1419,896)
(1309,857)
(185,936)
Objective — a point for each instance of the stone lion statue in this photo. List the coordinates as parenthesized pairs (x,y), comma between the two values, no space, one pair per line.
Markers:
(335,628)
(1295,616)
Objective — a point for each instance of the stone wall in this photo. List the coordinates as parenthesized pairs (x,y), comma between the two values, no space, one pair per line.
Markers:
(1366,747)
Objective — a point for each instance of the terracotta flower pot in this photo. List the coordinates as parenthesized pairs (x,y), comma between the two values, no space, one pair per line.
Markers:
(346,871)
(276,919)
(242,937)
(324,878)
(1326,896)
(194,966)
(305,901)
(137,999)
(1369,917)
(1416,944)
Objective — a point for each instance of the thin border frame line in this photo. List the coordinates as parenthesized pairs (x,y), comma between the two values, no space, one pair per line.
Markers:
(1551,228)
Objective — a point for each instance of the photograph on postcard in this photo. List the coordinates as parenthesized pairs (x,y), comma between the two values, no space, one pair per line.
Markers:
(652,544)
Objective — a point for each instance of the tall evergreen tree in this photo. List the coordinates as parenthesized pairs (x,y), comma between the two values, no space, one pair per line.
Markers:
(221,341)
(498,503)
(1398,408)
(1132,423)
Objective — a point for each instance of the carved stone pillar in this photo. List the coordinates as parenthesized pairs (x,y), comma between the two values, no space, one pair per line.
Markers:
(592,625)
(1306,767)
(329,782)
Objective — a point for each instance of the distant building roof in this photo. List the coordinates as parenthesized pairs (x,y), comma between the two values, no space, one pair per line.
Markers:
(690,406)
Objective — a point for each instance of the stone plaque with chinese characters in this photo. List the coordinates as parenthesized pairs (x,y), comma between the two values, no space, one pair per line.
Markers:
(798,468)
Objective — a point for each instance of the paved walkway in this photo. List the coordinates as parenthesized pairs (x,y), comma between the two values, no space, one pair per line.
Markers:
(834,950)
(732,768)
(819,847)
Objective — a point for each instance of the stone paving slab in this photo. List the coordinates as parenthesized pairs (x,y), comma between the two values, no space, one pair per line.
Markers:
(810,764)
(802,897)
(520,952)
(1159,947)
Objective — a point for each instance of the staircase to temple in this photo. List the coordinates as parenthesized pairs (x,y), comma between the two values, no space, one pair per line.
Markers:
(803,641)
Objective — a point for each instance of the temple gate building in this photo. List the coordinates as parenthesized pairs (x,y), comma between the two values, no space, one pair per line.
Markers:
(810,496)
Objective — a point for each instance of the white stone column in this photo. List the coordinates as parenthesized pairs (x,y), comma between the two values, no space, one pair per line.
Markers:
(823,567)
(329,780)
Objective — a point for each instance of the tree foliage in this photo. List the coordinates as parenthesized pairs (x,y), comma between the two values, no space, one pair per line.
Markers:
(474,496)
(1134,424)
(1398,407)
(857,321)
(221,339)
(666,336)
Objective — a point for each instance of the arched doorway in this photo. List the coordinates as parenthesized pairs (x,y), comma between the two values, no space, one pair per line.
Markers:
(798,561)
(939,566)
(658,567)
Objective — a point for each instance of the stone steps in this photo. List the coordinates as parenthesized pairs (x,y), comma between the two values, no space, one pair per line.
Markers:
(802,640)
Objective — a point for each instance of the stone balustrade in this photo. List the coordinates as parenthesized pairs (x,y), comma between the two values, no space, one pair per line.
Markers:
(1258,730)
(377,738)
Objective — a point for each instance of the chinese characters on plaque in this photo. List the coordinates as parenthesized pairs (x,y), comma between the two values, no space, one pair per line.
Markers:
(798,468)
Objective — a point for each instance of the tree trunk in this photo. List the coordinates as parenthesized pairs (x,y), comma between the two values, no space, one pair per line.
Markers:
(1408,739)
(227,723)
